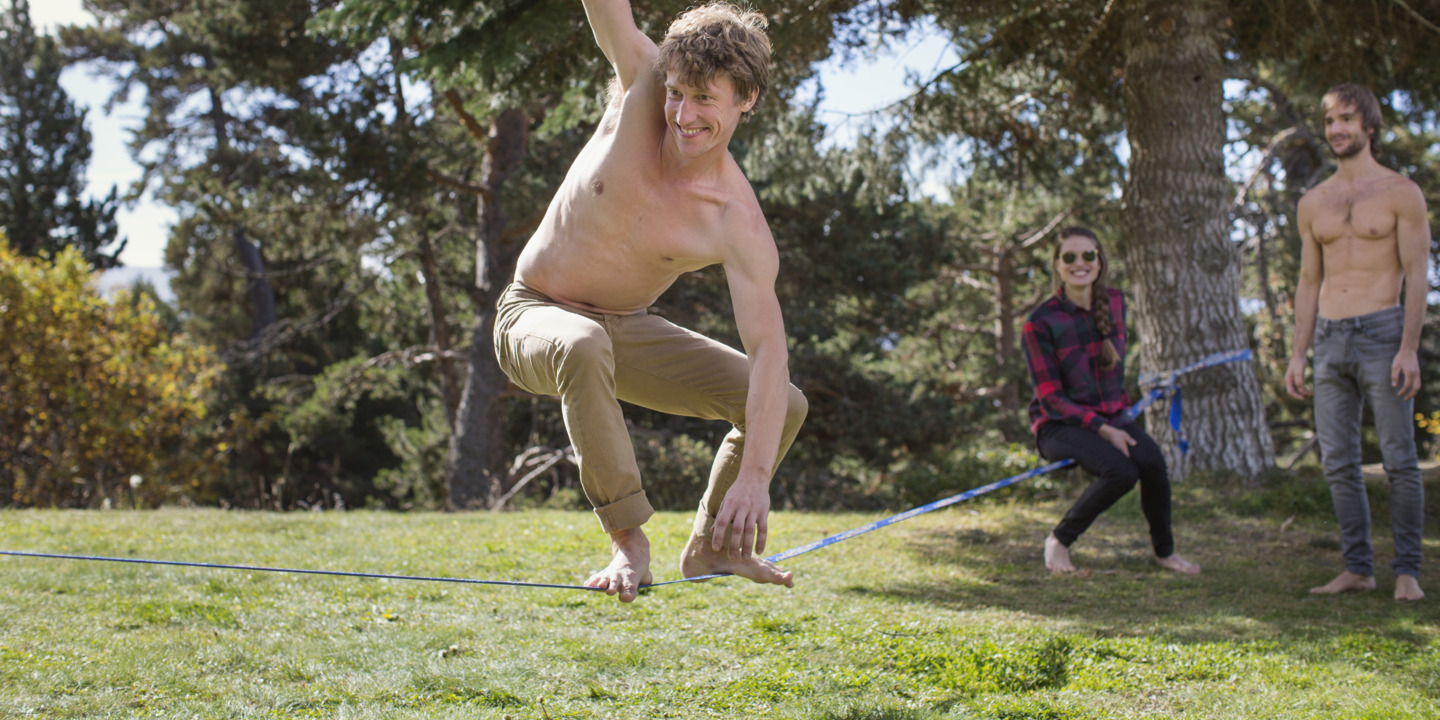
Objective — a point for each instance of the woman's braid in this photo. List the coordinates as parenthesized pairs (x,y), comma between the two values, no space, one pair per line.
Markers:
(1100,310)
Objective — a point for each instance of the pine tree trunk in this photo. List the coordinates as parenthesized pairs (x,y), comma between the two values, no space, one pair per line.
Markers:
(477,450)
(261,293)
(1183,269)
(476,457)
(1007,345)
(450,382)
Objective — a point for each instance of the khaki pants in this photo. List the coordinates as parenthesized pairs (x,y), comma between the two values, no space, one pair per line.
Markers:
(592,360)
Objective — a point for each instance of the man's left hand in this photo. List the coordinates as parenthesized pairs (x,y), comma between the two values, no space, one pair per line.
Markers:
(1406,365)
(743,518)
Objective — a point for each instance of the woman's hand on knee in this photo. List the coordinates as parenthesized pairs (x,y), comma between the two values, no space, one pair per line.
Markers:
(1117,437)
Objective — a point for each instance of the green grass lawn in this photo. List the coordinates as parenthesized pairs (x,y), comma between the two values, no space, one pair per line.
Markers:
(949,615)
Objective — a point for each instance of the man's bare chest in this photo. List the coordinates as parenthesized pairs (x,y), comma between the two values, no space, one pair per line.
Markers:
(1359,214)
(644,225)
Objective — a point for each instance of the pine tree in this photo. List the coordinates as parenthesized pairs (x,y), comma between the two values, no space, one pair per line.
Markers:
(44,151)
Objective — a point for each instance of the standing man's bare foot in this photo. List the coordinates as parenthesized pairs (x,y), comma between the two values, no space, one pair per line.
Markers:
(700,558)
(1346,582)
(1407,587)
(1179,564)
(1057,556)
(629,565)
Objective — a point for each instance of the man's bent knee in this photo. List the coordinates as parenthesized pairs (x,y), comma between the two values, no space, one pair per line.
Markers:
(797,409)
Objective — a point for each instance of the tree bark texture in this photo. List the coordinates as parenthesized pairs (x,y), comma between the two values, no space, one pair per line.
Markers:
(1182,267)
(476,459)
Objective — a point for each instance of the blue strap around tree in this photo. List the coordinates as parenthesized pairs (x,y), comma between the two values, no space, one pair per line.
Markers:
(1167,384)
(1176,411)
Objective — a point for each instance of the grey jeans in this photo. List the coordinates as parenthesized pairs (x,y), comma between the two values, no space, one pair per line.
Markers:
(1353,357)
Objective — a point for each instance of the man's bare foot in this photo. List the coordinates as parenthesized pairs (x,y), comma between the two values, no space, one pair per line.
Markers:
(699,558)
(1057,556)
(1407,587)
(1346,582)
(629,565)
(1178,564)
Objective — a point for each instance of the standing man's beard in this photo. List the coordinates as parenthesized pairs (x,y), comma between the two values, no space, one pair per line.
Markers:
(1352,147)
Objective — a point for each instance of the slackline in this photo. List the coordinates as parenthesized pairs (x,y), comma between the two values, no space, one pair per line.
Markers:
(1164,384)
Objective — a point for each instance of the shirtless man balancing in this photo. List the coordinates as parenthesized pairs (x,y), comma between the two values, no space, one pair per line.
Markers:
(655,194)
(1364,235)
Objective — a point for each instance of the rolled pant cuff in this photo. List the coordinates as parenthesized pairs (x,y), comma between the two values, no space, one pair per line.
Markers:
(704,524)
(625,513)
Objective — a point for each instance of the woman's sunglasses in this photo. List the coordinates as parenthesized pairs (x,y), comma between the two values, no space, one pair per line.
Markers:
(1069,257)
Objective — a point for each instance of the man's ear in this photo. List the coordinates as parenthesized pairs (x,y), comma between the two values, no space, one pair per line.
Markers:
(748,103)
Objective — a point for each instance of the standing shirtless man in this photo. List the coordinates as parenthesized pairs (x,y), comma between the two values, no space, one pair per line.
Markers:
(654,194)
(1364,235)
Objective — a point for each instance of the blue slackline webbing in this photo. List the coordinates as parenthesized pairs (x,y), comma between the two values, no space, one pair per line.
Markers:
(1166,386)
(1166,382)
(921,510)
(257,568)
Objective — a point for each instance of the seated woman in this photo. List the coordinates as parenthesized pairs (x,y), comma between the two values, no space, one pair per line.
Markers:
(1075,348)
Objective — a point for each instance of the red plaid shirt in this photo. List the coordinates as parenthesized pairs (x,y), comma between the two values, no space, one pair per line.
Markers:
(1062,350)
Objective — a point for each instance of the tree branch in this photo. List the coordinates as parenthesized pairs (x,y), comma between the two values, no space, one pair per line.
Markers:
(1264,165)
(974,282)
(971,267)
(1085,44)
(472,125)
(541,464)
(461,185)
(1417,15)
(1042,233)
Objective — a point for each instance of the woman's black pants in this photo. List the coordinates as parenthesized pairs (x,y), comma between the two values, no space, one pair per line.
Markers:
(1115,475)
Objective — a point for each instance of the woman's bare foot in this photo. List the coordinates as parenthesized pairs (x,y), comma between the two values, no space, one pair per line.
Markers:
(1178,564)
(1057,556)
(699,558)
(1346,582)
(629,565)
(1407,587)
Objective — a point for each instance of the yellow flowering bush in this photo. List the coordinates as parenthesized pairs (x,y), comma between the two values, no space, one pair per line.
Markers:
(97,402)
(1431,425)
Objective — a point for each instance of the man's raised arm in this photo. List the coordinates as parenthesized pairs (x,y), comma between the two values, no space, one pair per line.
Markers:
(627,49)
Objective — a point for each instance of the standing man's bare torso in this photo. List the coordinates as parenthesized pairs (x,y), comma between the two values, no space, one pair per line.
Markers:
(1355,225)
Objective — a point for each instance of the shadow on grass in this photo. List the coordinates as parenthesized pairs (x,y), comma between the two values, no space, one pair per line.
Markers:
(1257,570)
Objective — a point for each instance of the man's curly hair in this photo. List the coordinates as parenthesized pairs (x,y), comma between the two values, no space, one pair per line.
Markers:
(719,38)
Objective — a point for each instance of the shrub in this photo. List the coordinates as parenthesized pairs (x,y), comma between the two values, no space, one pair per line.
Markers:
(97,401)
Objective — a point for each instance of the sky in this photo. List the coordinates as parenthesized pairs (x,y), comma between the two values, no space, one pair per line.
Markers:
(146,224)
(849,93)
